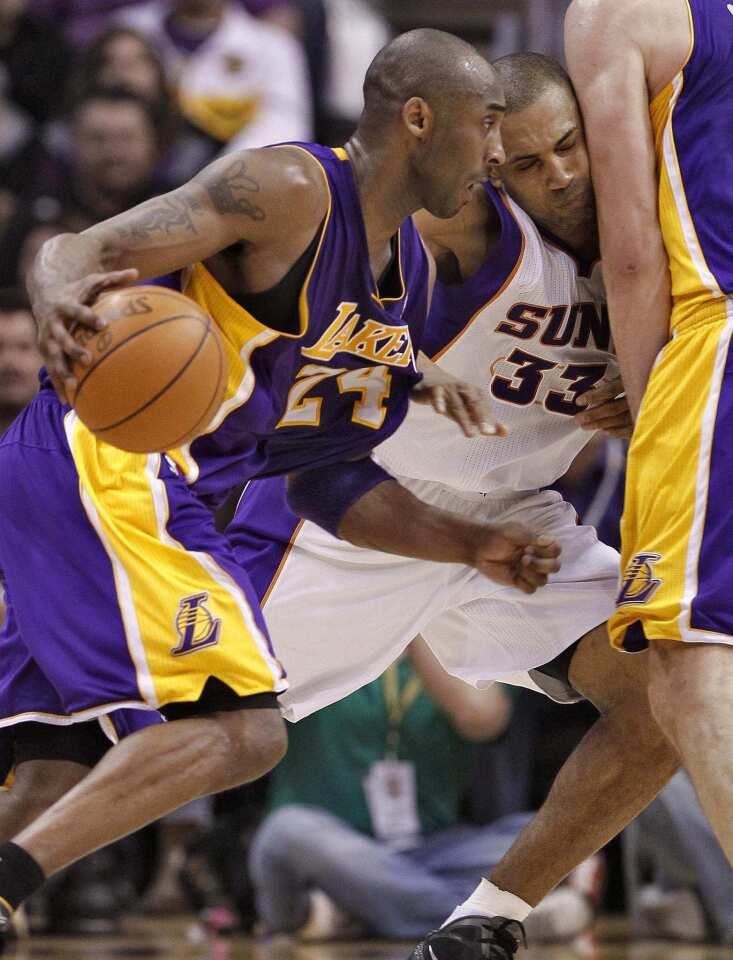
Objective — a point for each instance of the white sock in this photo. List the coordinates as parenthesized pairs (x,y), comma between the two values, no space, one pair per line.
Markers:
(487,900)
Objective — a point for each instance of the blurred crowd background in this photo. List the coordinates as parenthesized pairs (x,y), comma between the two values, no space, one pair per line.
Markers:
(105,103)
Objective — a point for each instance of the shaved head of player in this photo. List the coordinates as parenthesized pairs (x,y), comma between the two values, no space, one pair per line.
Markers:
(445,120)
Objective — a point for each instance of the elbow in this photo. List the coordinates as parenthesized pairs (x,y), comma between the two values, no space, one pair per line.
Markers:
(634,261)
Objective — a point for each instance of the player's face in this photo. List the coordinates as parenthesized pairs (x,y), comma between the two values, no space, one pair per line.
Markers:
(547,170)
(19,359)
(466,144)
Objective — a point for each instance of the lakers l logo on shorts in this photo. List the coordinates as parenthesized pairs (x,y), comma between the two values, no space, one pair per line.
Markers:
(639,583)
(196,626)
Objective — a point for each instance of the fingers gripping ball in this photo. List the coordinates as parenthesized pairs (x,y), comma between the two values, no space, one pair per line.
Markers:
(158,371)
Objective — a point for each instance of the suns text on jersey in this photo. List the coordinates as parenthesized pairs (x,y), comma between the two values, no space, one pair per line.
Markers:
(583,325)
(368,340)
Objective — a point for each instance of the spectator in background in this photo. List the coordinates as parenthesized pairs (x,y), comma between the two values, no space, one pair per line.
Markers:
(33,61)
(114,154)
(123,57)
(34,58)
(235,75)
(365,809)
(82,20)
(356,31)
(20,360)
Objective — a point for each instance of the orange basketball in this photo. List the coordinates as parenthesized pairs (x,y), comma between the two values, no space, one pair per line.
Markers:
(158,371)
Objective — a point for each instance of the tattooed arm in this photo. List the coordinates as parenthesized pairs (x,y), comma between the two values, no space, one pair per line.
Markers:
(272,199)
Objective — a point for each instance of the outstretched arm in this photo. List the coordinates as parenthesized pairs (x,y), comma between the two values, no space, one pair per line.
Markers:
(248,196)
(360,502)
(614,99)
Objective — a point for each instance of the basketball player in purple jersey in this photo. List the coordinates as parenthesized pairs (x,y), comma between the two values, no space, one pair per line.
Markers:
(321,298)
(655,81)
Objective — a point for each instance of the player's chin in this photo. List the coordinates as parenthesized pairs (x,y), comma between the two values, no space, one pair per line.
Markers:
(451,206)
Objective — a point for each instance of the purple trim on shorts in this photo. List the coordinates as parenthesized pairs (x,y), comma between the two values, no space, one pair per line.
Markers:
(262,530)
(712,608)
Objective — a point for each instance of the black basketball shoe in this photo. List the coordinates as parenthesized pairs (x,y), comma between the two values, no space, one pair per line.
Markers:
(472,938)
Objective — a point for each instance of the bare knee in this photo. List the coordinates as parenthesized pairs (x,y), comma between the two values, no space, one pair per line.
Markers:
(617,684)
(610,680)
(242,746)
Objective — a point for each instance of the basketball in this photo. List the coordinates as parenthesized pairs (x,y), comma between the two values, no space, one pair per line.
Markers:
(158,371)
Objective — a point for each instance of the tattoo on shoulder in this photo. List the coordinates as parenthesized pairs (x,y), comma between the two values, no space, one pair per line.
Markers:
(163,216)
(229,191)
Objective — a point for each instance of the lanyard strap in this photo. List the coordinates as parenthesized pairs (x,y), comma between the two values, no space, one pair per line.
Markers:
(399,703)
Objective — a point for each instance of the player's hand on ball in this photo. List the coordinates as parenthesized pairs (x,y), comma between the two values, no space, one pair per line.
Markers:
(606,409)
(61,310)
(512,554)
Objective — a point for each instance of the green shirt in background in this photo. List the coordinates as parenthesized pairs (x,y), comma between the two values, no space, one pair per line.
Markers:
(332,751)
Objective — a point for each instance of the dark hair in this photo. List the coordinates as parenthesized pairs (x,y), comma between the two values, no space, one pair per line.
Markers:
(526,76)
(13,299)
(95,57)
(117,94)
(86,79)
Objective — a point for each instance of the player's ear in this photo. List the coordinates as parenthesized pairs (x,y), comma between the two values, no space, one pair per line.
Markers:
(418,117)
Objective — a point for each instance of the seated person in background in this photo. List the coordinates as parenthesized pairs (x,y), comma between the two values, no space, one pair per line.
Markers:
(365,833)
(679,885)
(235,74)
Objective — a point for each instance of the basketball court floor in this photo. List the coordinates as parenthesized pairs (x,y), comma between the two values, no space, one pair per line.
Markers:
(177,940)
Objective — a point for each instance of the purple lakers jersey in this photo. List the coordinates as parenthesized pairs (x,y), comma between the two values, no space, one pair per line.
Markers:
(692,119)
(341,384)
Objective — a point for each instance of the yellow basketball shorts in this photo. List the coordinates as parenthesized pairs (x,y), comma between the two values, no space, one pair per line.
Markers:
(677,528)
(121,593)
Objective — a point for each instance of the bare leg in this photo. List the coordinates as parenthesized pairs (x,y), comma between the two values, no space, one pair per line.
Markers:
(37,785)
(691,693)
(615,771)
(151,773)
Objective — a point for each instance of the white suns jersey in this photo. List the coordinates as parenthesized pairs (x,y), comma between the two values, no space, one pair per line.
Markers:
(532,327)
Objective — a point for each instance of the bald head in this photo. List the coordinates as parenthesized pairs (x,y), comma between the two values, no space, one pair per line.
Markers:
(429,64)
(527,76)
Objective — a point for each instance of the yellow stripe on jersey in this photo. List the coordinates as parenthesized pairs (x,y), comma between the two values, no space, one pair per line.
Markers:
(242,334)
(129,509)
